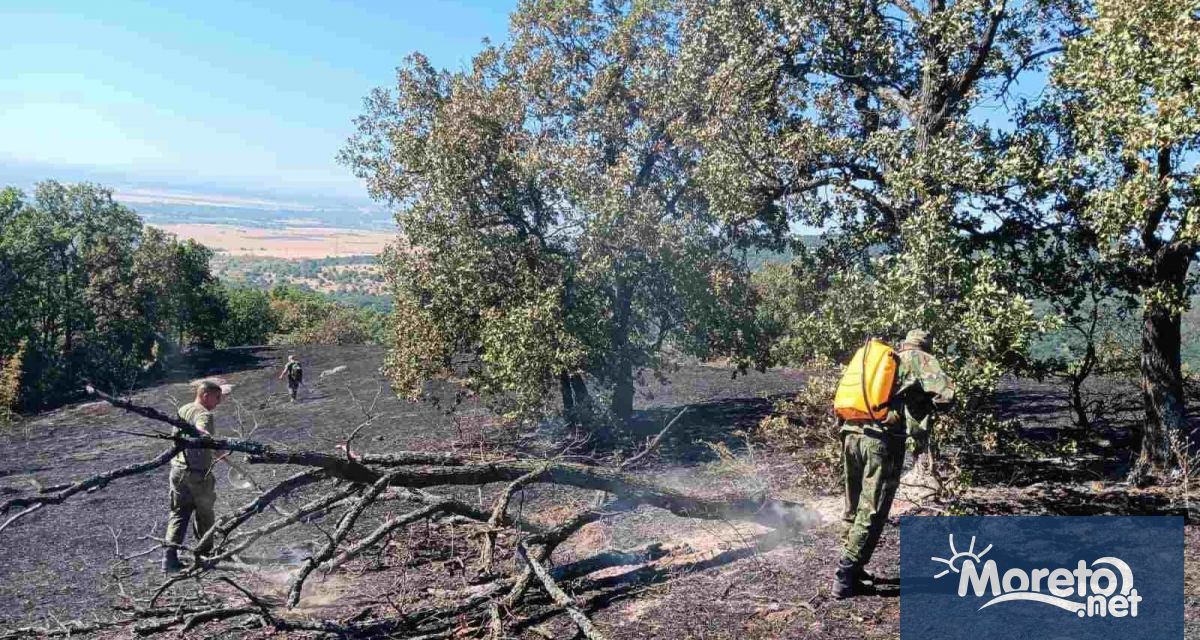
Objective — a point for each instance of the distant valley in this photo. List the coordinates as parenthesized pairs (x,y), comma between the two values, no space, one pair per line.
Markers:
(286,242)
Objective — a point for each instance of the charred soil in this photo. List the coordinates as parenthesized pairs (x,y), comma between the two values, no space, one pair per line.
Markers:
(707,579)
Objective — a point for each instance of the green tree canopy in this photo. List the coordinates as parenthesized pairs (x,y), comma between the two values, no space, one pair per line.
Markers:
(91,293)
(552,225)
(856,118)
(250,320)
(1118,134)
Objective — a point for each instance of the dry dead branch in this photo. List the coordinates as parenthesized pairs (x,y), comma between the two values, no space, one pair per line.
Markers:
(361,481)
(558,595)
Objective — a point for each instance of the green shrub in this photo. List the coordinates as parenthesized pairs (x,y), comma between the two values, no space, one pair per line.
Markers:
(10,384)
(805,427)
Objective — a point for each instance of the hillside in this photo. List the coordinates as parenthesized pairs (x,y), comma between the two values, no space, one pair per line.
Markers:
(718,580)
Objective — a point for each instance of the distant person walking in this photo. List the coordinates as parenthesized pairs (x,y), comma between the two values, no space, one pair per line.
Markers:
(193,487)
(294,374)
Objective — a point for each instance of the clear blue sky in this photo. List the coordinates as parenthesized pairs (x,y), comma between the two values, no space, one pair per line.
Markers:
(213,91)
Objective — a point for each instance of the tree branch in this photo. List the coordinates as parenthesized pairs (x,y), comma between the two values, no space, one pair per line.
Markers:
(94,482)
(559,596)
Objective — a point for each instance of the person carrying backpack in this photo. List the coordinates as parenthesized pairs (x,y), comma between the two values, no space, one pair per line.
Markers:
(295,375)
(885,397)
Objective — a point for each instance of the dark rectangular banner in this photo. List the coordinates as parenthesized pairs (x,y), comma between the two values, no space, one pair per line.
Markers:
(1046,577)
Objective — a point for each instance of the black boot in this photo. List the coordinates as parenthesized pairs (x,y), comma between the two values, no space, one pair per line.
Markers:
(170,561)
(845,584)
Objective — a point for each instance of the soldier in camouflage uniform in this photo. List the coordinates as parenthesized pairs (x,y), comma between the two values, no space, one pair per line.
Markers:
(873,457)
(192,490)
(295,375)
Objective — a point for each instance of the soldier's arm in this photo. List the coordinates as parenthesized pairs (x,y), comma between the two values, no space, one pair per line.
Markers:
(204,424)
(935,382)
(282,373)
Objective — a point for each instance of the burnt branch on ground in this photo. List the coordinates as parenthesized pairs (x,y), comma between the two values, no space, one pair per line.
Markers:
(495,597)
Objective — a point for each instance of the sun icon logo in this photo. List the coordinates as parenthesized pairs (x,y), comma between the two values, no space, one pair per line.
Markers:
(958,557)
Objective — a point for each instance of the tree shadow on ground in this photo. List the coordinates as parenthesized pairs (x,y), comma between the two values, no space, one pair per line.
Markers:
(1021,403)
(596,594)
(1068,500)
(720,422)
(1017,470)
(204,363)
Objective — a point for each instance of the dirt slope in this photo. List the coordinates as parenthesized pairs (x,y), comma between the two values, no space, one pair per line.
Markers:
(722,581)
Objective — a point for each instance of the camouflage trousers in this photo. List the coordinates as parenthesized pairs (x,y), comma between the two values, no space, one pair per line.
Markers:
(871,468)
(193,494)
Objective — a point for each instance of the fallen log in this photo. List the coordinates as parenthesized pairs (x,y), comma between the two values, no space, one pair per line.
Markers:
(756,508)
(88,484)
(559,596)
(359,481)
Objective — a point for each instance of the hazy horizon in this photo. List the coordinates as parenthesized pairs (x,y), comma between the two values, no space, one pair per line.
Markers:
(216,99)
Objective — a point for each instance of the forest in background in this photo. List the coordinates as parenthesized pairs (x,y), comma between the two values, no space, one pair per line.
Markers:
(577,214)
(353,280)
(91,295)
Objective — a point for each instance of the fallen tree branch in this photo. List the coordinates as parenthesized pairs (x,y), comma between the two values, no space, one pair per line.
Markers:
(380,532)
(21,514)
(234,520)
(73,627)
(94,482)
(331,546)
(550,540)
(191,620)
(653,444)
(216,614)
(191,438)
(481,610)
(499,517)
(146,412)
(67,629)
(312,509)
(559,596)
(758,508)
(263,609)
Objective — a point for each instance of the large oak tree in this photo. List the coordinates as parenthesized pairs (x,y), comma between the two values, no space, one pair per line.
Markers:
(865,118)
(1121,129)
(552,228)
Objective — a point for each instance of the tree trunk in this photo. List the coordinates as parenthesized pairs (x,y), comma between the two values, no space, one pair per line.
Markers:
(568,398)
(621,404)
(1078,405)
(577,402)
(1163,434)
(1162,390)
(622,398)
(583,399)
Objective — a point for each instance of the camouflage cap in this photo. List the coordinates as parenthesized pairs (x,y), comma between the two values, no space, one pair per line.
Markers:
(918,338)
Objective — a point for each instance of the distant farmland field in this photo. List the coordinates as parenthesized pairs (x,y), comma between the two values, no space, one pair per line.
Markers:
(292,243)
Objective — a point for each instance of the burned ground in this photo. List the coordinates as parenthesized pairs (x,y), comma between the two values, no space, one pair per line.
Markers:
(714,579)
